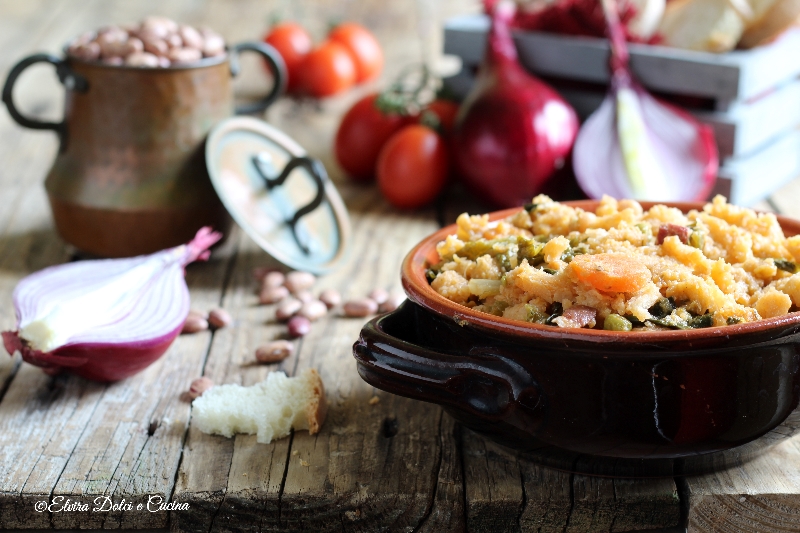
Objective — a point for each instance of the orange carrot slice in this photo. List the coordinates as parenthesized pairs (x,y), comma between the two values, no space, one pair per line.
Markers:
(610,272)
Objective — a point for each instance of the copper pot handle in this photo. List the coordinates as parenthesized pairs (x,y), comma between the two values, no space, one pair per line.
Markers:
(277,67)
(483,382)
(69,79)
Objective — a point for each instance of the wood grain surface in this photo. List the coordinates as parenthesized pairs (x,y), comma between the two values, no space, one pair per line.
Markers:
(380,462)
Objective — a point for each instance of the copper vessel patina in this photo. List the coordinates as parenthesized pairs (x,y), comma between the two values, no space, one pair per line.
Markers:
(130,177)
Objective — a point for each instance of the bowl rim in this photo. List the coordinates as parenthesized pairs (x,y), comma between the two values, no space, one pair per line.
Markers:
(419,290)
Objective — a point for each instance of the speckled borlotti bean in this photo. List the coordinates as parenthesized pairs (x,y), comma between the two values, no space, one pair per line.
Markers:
(299,281)
(392,302)
(378,296)
(142,59)
(184,55)
(199,386)
(274,352)
(330,297)
(194,324)
(304,296)
(313,310)
(273,279)
(219,318)
(287,308)
(361,307)
(271,295)
(298,326)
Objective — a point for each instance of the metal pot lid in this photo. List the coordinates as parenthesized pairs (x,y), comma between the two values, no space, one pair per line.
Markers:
(281,197)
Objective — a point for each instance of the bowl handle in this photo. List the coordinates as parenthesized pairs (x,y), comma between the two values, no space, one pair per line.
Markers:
(482,382)
(277,67)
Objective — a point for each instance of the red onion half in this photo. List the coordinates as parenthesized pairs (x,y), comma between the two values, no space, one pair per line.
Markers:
(635,146)
(104,319)
(513,130)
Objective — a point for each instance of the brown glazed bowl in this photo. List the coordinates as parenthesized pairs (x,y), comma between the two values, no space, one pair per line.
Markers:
(600,402)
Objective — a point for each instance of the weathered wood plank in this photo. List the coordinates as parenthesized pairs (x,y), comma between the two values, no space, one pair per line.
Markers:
(761,495)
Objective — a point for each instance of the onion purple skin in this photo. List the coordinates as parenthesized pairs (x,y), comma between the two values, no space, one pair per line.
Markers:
(513,131)
(98,362)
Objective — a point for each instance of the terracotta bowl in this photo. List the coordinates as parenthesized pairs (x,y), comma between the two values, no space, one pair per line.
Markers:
(603,402)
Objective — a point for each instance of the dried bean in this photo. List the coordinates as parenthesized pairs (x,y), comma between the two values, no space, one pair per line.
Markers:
(378,296)
(153,44)
(304,296)
(298,326)
(174,41)
(85,51)
(164,62)
(142,59)
(132,46)
(160,25)
(199,386)
(299,281)
(191,37)
(273,279)
(274,352)
(113,44)
(184,55)
(313,310)
(271,295)
(194,324)
(113,61)
(287,308)
(219,318)
(361,307)
(213,44)
(330,297)
(392,302)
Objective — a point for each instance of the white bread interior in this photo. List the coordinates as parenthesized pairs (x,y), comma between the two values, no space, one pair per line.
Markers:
(269,409)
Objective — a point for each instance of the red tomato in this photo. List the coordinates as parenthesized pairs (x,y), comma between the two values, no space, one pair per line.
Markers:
(327,70)
(364,48)
(445,111)
(293,43)
(362,134)
(412,167)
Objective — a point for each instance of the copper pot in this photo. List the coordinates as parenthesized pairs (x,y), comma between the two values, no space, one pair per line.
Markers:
(130,177)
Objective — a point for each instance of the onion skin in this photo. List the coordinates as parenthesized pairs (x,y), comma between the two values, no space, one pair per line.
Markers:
(98,362)
(513,130)
(113,361)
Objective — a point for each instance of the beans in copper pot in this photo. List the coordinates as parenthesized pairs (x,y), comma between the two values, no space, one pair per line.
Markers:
(330,297)
(298,281)
(199,386)
(360,307)
(304,296)
(271,295)
(161,37)
(219,318)
(287,308)
(313,310)
(274,352)
(298,326)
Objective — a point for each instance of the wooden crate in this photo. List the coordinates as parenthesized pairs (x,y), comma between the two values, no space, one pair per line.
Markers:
(750,98)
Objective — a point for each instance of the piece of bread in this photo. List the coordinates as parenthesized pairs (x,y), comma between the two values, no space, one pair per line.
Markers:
(269,409)
(703,25)
(772,17)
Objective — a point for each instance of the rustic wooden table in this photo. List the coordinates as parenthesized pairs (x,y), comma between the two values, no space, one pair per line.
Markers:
(133,440)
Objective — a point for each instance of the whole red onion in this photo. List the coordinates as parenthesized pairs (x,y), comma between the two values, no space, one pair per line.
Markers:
(513,130)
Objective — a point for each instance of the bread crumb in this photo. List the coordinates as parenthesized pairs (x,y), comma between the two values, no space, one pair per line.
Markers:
(294,452)
(303,463)
(374,400)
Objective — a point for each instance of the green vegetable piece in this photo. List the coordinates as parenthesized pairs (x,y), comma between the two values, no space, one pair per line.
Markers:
(731,320)
(531,250)
(483,288)
(701,321)
(534,315)
(662,308)
(530,208)
(645,228)
(788,266)
(430,275)
(550,271)
(614,322)
(633,320)
(697,239)
(556,310)
(503,261)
